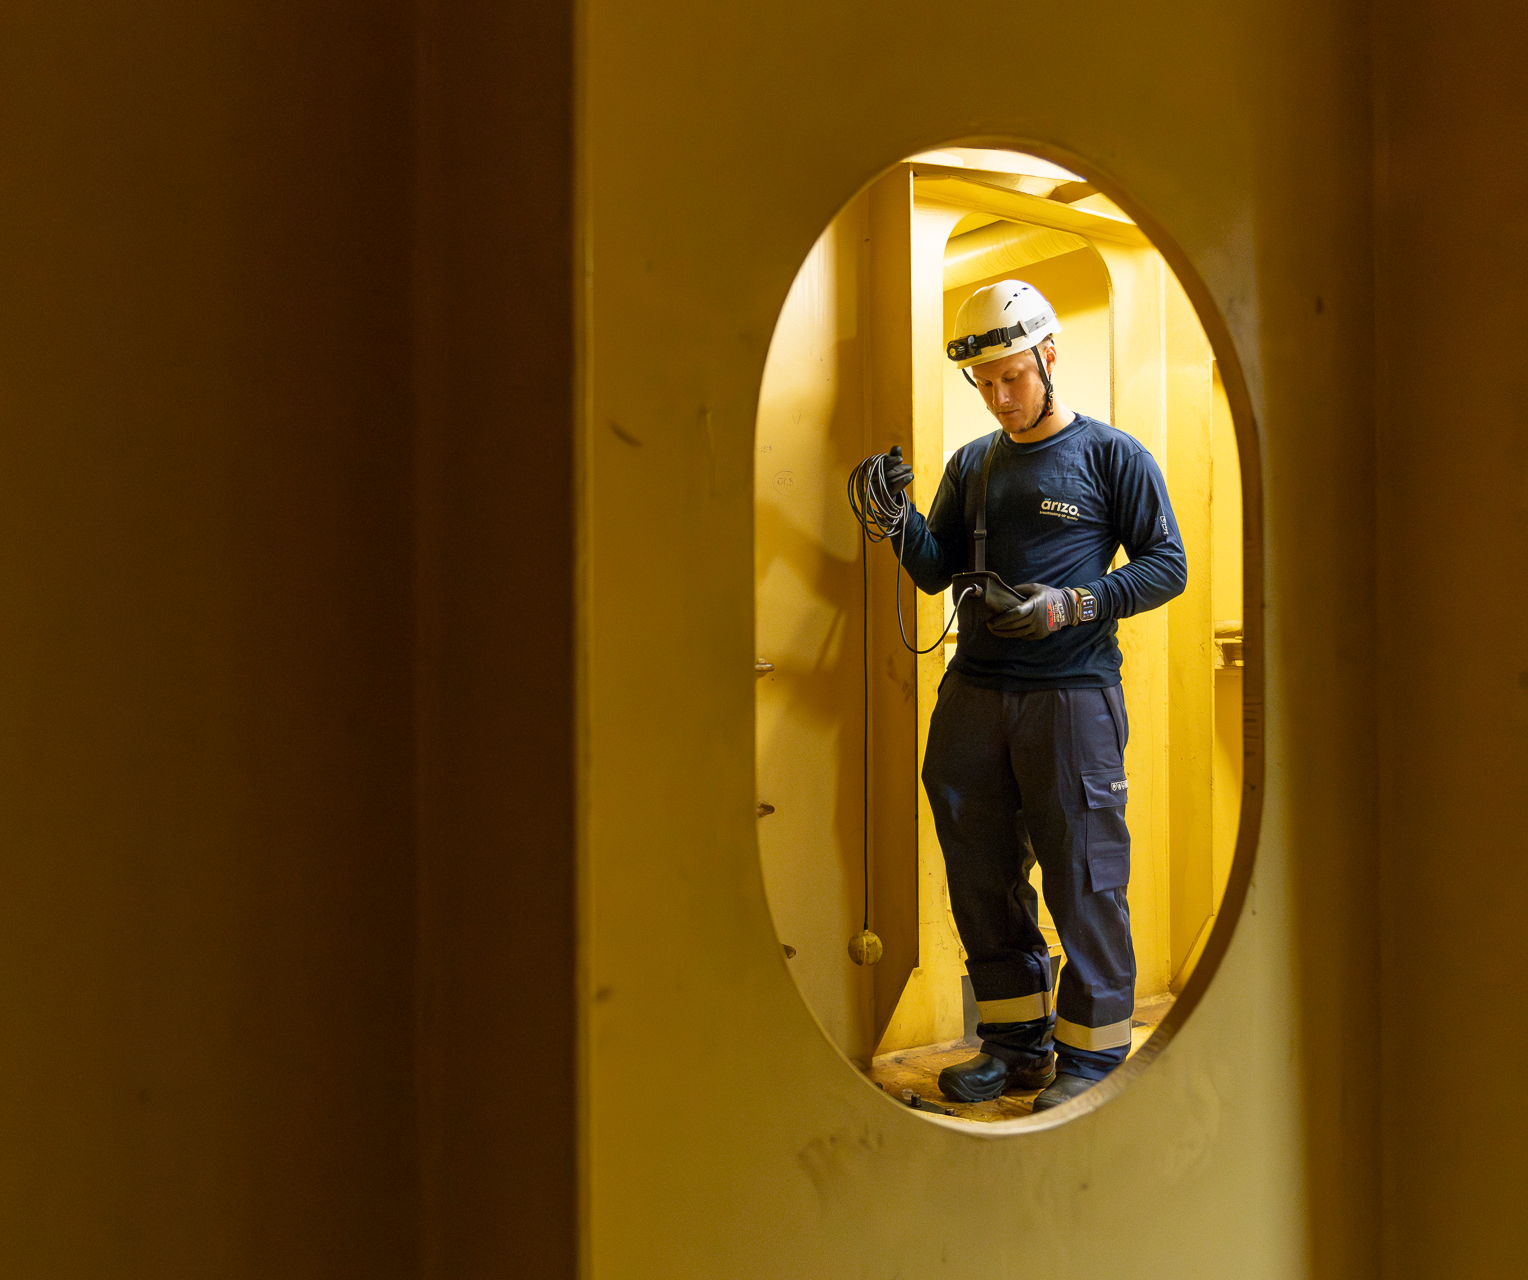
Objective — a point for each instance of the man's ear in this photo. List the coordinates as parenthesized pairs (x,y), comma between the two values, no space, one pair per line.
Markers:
(1050,355)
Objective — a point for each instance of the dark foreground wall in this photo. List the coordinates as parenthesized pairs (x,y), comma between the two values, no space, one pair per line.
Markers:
(285,775)
(1453,706)
(207,920)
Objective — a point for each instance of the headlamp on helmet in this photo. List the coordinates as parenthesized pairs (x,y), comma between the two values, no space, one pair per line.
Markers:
(1000,320)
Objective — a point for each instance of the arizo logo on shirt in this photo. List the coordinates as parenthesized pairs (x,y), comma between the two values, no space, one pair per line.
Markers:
(1055,507)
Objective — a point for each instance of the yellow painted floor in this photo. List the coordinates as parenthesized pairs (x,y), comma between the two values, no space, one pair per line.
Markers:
(918,1069)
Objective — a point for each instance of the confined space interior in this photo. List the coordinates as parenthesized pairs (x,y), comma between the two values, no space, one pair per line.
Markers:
(857,365)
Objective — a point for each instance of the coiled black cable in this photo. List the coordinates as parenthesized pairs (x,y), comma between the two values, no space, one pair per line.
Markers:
(883,513)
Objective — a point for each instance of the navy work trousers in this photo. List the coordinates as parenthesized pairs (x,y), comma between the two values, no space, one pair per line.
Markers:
(1016,778)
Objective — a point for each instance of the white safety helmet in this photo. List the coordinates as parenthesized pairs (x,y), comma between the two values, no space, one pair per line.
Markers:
(997,321)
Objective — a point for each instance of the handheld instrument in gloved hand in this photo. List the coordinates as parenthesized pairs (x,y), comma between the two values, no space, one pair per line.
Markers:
(1028,612)
(1042,610)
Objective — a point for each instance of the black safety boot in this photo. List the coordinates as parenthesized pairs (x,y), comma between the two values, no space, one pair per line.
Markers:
(1065,1088)
(982,1078)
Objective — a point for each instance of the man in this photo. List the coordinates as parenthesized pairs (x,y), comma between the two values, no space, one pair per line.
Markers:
(1025,757)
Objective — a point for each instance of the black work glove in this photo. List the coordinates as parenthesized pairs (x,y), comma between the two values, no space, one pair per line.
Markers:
(1041,611)
(898,475)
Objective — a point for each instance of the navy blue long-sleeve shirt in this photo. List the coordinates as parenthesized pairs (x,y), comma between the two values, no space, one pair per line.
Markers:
(1057,511)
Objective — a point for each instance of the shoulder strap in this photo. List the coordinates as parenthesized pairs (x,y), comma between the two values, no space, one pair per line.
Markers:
(980,536)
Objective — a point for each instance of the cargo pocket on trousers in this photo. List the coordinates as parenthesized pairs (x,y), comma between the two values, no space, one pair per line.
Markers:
(1108,838)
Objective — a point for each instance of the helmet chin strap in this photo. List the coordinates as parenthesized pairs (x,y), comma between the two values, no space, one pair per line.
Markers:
(1050,390)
